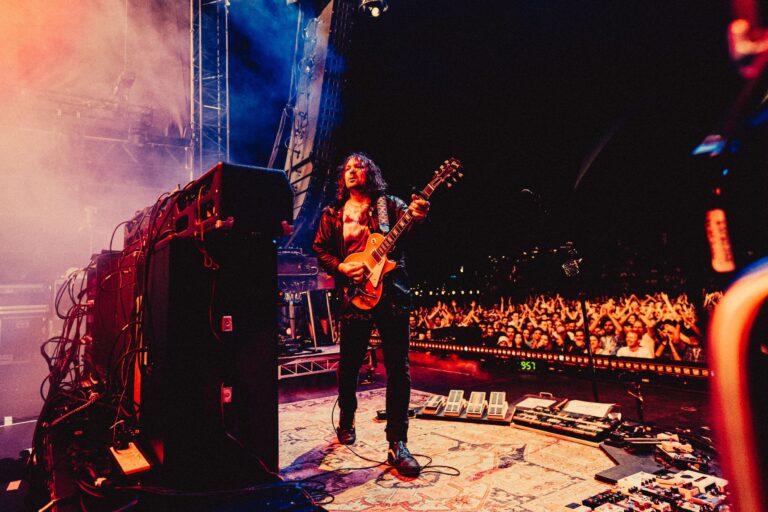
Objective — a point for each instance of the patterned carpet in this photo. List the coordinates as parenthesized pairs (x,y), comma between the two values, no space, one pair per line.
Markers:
(502,468)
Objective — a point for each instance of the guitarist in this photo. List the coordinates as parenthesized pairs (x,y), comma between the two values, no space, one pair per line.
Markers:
(362,208)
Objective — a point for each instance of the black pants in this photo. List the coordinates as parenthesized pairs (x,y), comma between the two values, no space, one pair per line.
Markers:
(355,333)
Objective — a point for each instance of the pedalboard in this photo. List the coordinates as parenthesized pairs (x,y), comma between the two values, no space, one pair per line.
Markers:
(476,410)
(685,491)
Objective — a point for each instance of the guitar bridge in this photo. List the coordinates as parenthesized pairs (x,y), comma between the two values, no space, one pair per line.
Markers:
(355,291)
(359,290)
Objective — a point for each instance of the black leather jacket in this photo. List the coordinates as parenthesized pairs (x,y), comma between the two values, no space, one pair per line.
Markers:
(329,247)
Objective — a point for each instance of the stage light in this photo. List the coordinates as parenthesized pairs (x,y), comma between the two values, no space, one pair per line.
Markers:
(373,8)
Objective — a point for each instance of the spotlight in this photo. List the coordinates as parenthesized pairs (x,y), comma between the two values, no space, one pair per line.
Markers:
(373,8)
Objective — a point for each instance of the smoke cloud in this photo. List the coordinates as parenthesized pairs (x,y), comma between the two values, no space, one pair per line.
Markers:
(92,124)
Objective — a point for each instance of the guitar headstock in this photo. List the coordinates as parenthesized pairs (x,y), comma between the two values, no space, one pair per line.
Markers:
(449,173)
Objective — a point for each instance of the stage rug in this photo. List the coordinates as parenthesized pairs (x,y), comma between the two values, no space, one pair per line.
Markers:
(502,468)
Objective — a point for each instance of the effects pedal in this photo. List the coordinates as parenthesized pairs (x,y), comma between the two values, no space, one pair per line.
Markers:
(497,405)
(130,460)
(455,403)
(476,404)
(432,405)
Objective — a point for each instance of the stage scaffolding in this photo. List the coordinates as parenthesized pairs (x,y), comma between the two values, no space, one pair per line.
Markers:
(209,83)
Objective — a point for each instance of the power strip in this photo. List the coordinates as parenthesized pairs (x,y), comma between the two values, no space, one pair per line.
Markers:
(130,460)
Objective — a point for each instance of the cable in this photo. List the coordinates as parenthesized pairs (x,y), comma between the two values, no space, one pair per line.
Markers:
(114,232)
(90,402)
(333,428)
(453,471)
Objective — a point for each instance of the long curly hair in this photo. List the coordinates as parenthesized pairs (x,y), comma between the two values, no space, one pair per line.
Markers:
(374,181)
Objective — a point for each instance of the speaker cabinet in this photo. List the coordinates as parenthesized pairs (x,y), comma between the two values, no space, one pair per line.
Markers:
(208,401)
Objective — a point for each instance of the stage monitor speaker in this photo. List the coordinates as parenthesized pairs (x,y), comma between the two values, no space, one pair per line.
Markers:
(208,402)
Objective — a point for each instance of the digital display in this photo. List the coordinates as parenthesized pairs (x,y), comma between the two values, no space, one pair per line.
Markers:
(527,366)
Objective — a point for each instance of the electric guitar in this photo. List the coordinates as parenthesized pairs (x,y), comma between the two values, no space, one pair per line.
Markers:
(366,294)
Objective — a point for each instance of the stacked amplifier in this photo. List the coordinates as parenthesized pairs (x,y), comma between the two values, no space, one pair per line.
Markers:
(203,260)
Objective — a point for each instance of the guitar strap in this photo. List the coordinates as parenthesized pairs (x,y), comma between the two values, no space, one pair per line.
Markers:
(381,209)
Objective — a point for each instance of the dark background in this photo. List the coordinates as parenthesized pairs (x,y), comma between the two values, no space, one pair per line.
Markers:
(523,93)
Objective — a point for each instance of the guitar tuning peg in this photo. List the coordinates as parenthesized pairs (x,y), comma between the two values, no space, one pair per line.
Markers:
(461,175)
(449,184)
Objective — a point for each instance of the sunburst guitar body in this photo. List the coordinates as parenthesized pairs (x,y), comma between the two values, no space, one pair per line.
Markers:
(367,293)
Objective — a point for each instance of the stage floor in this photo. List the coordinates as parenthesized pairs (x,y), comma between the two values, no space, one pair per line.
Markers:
(502,468)
(474,467)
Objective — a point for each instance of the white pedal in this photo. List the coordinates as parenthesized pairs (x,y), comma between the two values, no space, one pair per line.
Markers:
(476,405)
(432,405)
(497,405)
(455,403)
(130,460)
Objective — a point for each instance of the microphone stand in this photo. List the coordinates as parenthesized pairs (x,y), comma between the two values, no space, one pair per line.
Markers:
(585,320)
(637,394)
(571,269)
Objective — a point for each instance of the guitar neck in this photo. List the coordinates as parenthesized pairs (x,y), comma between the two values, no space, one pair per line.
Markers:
(400,226)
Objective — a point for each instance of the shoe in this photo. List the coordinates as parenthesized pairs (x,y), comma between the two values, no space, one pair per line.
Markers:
(346,435)
(401,459)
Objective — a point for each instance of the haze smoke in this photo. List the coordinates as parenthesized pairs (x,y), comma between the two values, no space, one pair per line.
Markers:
(80,149)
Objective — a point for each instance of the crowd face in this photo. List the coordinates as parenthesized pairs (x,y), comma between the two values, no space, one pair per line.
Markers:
(578,339)
(667,331)
(594,343)
(632,340)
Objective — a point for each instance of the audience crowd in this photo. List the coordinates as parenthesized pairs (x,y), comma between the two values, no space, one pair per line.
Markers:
(655,326)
